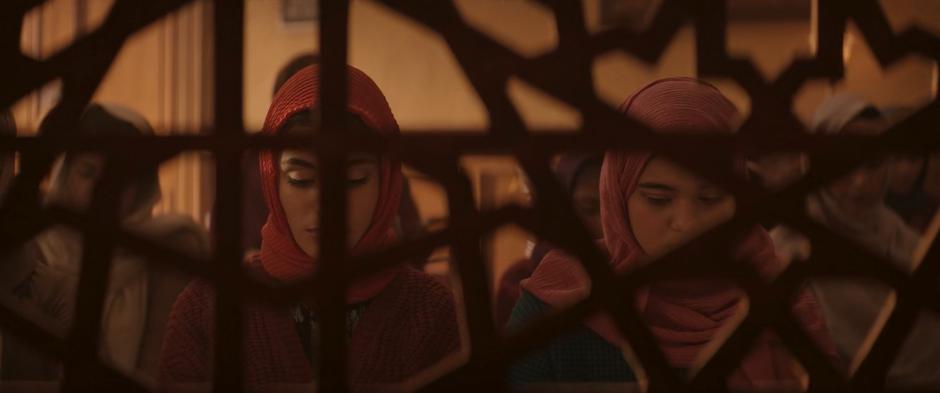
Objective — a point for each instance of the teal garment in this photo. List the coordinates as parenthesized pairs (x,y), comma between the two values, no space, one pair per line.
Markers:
(579,356)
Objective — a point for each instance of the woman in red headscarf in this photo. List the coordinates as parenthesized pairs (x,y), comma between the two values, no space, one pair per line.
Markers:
(650,206)
(399,321)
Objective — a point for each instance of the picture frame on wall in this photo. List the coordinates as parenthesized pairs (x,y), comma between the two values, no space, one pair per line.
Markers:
(300,11)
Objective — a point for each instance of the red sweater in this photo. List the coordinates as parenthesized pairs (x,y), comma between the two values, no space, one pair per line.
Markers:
(408,327)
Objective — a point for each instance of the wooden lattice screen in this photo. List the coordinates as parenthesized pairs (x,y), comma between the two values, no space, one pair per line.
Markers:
(565,74)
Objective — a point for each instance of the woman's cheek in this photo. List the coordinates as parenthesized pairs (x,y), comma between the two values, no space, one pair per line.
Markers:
(648,225)
(362,201)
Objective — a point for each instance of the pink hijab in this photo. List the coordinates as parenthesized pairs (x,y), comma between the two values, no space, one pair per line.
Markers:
(280,256)
(683,315)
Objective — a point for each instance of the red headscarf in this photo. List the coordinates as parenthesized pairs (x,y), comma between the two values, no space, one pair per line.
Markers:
(280,255)
(683,315)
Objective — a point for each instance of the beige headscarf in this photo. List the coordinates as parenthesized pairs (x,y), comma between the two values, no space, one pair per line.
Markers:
(852,307)
(56,274)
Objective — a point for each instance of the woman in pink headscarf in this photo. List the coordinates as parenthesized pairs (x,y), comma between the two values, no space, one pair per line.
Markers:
(399,321)
(650,206)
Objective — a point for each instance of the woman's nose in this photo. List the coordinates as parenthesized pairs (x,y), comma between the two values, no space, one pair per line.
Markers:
(682,218)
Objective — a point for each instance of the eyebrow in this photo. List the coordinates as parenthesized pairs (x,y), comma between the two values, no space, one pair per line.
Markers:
(657,187)
(300,162)
(308,164)
(710,188)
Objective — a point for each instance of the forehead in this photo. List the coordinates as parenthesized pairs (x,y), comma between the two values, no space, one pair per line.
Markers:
(663,171)
(356,127)
(298,154)
(309,122)
(308,156)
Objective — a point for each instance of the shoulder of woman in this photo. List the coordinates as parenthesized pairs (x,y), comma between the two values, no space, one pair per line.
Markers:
(530,304)
(193,309)
(416,283)
(17,267)
(198,294)
(559,272)
(527,308)
(179,232)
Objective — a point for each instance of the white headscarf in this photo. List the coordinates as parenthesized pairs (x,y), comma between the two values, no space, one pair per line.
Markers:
(56,274)
(878,228)
(852,307)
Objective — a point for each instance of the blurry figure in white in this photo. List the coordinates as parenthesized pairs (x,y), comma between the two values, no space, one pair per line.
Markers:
(44,273)
(854,206)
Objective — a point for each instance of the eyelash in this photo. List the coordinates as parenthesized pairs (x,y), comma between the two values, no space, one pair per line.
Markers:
(663,201)
(711,199)
(658,201)
(301,182)
(357,182)
(304,183)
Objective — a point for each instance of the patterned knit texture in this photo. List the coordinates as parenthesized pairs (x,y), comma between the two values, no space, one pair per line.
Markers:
(579,356)
(281,257)
(408,327)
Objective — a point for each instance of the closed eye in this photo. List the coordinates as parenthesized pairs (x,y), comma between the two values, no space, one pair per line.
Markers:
(657,194)
(301,176)
(353,181)
(658,200)
(359,173)
(711,199)
(303,183)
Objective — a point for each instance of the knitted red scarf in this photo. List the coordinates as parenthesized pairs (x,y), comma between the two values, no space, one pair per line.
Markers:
(683,315)
(281,257)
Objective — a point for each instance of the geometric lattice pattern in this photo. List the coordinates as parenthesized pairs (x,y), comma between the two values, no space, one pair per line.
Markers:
(488,65)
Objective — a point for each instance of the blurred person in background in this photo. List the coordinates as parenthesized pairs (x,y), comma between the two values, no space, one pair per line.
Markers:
(915,181)
(854,206)
(44,274)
